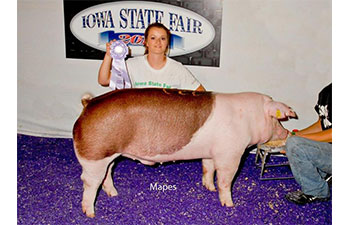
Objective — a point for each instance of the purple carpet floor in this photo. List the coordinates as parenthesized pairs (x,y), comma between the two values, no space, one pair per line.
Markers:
(49,191)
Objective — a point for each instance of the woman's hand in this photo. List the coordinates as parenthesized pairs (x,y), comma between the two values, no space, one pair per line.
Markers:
(108,47)
(104,73)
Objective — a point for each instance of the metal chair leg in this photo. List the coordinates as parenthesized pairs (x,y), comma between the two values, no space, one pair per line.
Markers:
(263,161)
(263,155)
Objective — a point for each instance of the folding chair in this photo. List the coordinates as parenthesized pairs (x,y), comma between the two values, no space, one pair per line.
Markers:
(263,152)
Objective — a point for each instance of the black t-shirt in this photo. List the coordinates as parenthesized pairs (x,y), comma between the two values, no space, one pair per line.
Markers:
(324,107)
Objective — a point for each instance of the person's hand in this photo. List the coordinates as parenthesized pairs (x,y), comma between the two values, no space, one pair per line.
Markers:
(294,132)
(108,47)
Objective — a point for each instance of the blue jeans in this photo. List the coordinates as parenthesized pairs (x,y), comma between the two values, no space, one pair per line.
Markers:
(310,161)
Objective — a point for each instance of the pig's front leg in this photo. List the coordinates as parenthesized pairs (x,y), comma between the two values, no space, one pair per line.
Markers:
(226,167)
(224,179)
(208,174)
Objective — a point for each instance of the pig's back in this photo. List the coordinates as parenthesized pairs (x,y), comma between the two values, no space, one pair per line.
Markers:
(140,122)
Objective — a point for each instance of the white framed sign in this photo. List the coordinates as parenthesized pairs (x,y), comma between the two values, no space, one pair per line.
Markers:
(88,28)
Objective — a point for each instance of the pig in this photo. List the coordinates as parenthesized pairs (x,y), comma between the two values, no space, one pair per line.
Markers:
(160,125)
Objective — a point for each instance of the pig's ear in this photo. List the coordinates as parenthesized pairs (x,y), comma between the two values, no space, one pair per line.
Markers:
(292,113)
(279,110)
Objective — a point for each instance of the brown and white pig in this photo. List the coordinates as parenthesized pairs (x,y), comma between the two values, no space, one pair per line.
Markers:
(158,125)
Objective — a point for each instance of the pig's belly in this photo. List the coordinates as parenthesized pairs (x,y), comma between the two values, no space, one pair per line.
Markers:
(198,148)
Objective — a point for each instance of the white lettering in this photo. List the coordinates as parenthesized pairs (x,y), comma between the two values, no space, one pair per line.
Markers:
(179,24)
(153,187)
(139,18)
(102,19)
(164,187)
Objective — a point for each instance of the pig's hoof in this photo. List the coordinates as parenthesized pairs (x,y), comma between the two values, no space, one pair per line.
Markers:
(88,211)
(225,199)
(227,203)
(110,191)
(208,185)
(90,215)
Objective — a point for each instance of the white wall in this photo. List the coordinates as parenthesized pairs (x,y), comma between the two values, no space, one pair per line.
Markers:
(278,47)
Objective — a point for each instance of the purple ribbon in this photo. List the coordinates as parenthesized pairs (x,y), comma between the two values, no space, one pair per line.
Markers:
(119,76)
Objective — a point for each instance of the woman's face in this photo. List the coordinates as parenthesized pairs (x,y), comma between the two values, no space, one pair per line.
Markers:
(157,41)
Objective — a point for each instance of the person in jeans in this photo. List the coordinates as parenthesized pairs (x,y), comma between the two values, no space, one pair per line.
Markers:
(309,153)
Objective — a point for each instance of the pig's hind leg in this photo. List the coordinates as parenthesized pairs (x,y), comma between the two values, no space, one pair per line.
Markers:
(94,173)
(108,185)
(208,174)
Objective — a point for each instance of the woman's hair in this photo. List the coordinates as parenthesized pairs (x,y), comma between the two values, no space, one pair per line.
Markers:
(157,25)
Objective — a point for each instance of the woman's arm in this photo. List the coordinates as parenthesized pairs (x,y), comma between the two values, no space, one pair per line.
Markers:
(104,73)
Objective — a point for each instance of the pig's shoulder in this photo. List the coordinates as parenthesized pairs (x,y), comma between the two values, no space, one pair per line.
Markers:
(247,95)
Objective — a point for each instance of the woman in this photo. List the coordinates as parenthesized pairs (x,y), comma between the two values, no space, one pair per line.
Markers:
(155,68)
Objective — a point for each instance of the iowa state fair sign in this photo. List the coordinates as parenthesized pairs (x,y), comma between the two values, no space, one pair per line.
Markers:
(195,27)
(127,21)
